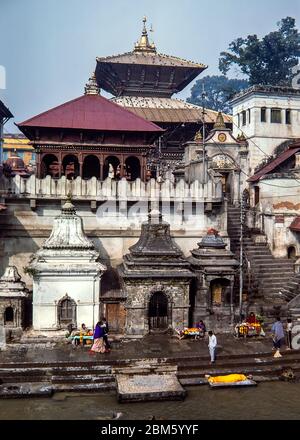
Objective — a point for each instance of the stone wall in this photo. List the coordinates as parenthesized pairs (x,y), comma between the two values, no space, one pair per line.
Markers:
(113,222)
(279,205)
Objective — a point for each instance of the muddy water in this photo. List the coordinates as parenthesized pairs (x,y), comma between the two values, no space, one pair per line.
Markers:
(274,400)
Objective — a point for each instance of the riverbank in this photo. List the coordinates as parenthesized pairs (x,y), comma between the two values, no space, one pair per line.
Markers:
(47,367)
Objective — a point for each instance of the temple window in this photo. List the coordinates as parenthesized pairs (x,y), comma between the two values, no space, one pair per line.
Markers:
(244,117)
(288,117)
(263,114)
(249,116)
(275,116)
(67,311)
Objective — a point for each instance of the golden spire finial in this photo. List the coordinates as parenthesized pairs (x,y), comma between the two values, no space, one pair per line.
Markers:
(220,124)
(198,136)
(143,45)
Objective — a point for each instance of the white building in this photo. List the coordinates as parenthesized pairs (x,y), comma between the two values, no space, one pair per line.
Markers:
(66,276)
(267,116)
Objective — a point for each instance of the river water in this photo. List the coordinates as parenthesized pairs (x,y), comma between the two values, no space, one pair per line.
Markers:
(267,401)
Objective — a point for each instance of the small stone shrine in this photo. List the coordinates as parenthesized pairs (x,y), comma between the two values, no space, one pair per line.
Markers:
(156,278)
(13,298)
(216,268)
(66,276)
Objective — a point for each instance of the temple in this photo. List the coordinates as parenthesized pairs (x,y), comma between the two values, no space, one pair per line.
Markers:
(66,275)
(144,82)
(90,136)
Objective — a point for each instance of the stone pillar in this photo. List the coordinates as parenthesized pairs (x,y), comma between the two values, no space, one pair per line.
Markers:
(60,165)
(236,187)
(201,300)
(38,165)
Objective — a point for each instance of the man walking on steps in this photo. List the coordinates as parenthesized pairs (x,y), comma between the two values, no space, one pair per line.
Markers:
(278,336)
(212,345)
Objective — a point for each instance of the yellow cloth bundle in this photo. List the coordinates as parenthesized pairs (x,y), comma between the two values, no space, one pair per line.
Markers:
(230,378)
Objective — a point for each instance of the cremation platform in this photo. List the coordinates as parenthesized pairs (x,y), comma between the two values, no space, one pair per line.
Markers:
(136,388)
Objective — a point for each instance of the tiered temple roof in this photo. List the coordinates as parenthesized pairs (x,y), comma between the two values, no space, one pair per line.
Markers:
(155,255)
(145,72)
(168,110)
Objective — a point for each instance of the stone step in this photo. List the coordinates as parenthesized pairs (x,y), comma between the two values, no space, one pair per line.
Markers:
(269,275)
(82,379)
(272,263)
(92,387)
(23,379)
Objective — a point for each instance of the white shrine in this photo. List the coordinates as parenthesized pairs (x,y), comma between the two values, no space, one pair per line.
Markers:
(66,276)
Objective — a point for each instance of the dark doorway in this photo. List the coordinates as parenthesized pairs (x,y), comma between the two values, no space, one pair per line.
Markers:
(9,315)
(91,167)
(67,312)
(292,253)
(158,311)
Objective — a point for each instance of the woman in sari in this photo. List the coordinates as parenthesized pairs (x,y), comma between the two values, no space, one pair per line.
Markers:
(98,345)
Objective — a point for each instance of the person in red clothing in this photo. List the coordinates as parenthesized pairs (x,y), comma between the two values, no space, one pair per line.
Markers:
(251,318)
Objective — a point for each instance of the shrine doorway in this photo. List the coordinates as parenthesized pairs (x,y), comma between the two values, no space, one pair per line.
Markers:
(220,292)
(133,168)
(158,312)
(9,316)
(91,167)
(70,166)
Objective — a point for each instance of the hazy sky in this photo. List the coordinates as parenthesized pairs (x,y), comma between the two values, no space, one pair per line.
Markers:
(48,47)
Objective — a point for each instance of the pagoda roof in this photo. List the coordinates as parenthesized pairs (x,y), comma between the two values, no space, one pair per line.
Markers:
(168,110)
(91,112)
(144,71)
(146,58)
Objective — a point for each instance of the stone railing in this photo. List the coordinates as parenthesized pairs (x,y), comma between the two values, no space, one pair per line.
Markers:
(93,189)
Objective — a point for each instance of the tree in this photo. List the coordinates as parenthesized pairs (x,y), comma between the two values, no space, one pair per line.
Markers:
(218,92)
(266,61)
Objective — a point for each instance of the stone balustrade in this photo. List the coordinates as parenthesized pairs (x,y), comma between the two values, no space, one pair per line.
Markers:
(93,189)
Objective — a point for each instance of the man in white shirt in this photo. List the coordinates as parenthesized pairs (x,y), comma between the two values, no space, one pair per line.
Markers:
(212,345)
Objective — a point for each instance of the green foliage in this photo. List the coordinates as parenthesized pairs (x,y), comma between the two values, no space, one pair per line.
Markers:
(268,60)
(218,90)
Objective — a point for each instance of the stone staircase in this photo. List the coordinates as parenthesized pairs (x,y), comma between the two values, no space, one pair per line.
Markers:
(273,279)
(25,379)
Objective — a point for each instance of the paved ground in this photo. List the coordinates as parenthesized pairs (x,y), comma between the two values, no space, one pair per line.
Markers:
(150,346)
